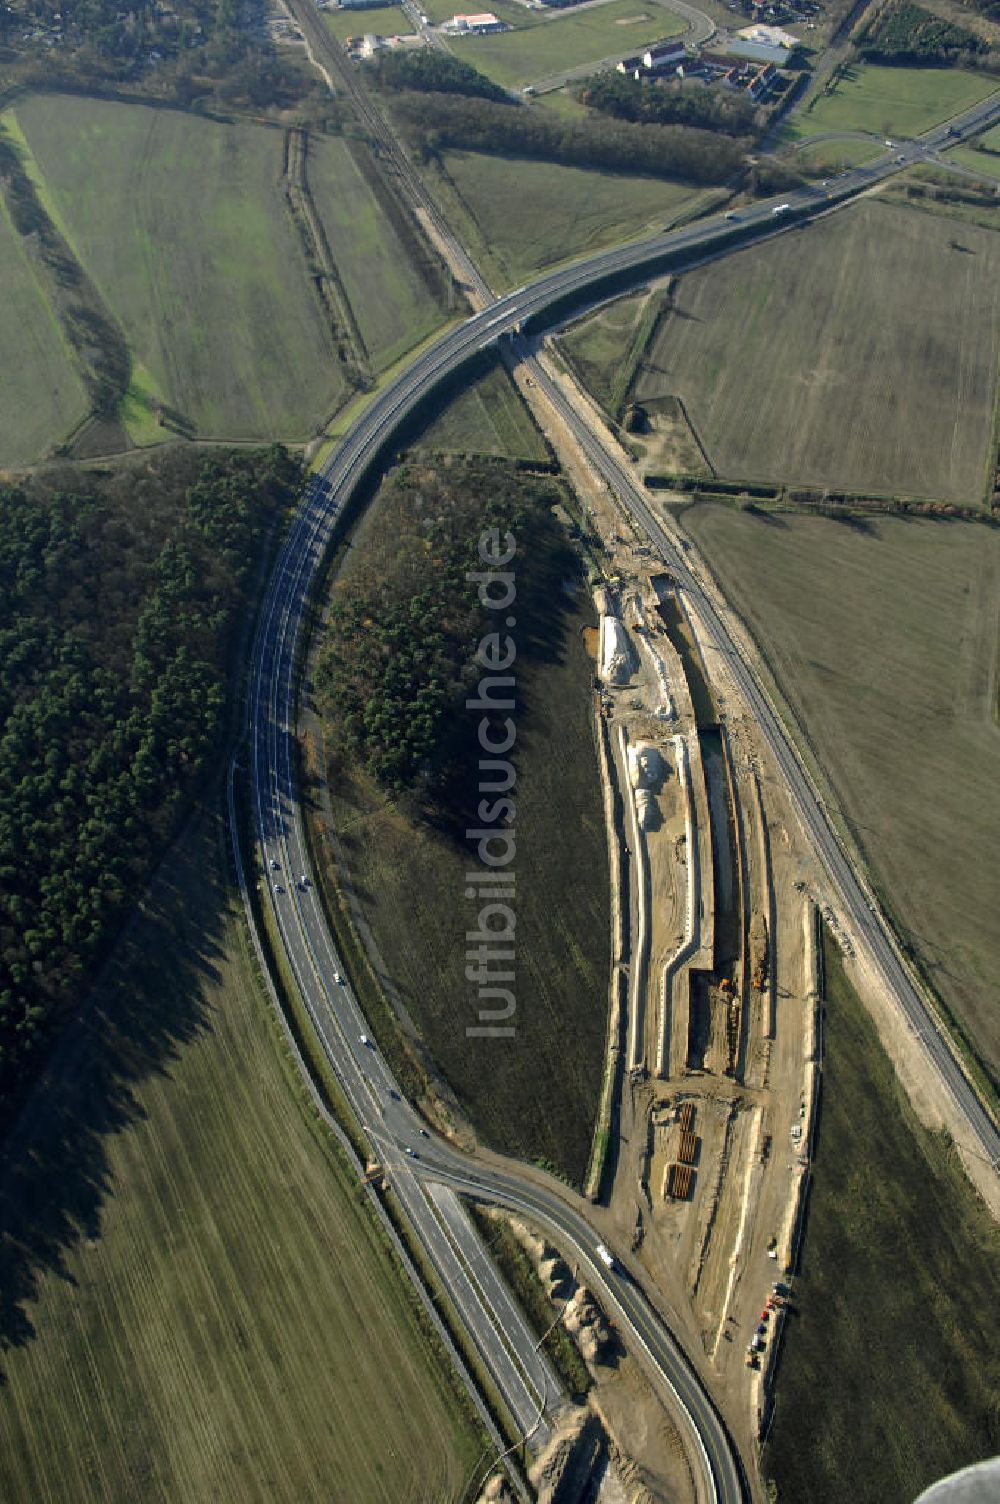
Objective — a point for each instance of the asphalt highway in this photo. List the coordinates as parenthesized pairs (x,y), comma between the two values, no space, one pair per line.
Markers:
(418,1167)
(414,1162)
(521,1374)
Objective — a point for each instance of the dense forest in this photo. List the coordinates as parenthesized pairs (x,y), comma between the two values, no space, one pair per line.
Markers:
(431,72)
(907,34)
(188,50)
(119,595)
(399,657)
(669,104)
(988,8)
(437,121)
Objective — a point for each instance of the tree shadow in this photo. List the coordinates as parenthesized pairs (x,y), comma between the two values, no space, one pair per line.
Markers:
(854,522)
(56,1175)
(761,514)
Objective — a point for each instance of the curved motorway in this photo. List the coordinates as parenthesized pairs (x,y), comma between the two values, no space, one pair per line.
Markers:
(417,1165)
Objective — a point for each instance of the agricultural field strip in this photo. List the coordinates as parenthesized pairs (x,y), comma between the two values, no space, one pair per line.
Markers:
(340,470)
(236,280)
(571,210)
(926,592)
(426,1298)
(330,58)
(190,1340)
(223,255)
(33,342)
(898,1242)
(923,319)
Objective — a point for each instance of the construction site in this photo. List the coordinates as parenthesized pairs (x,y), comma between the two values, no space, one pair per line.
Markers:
(717,963)
(714,1046)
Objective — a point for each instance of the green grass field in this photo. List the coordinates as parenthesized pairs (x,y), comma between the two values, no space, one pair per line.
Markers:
(890,1372)
(860,353)
(891,101)
(199,1304)
(392,302)
(834,156)
(183,225)
(183,228)
(384,21)
(566,40)
(598,344)
(990,139)
(522,216)
(979,161)
(488,418)
(43,394)
(883,638)
(510,11)
(987,160)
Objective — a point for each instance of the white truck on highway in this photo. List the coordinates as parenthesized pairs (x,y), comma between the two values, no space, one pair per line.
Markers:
(605,1255)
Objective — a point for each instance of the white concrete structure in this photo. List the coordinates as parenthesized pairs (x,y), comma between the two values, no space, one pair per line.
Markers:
(618,662)
(645,766)
(769,36)
(664,711)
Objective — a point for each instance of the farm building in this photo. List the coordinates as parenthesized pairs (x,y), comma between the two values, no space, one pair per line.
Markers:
(760,52)
(661,57)
(481,25)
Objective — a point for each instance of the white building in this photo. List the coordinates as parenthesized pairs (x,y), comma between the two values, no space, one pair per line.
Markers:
(769,36)
(663,56)
(480,25)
